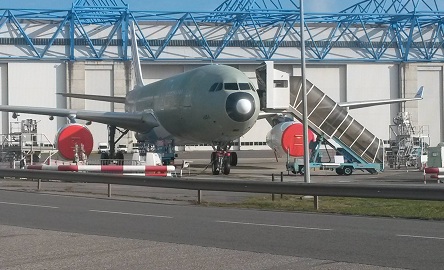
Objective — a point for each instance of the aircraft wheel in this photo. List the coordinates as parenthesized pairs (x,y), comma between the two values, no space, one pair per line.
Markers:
(348,170)
(227,167)
(119,157)
(104,158)
(215,167)
(233,158)
(339,171)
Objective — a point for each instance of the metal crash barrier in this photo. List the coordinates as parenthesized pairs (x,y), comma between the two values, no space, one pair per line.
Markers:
(414,192)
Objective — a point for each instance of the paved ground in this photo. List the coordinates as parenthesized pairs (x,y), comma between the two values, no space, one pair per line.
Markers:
(33,249)
(24,248)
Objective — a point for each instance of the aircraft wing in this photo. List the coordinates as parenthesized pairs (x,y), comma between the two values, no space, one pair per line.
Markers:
(140,122)
(369,103)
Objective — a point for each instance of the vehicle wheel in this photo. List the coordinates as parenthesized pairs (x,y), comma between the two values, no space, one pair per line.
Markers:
(339,171)
(301,170)
(104,158)
(227,167)
(215,167)
(119,158)
(233,158)
(348,170)
(213,157)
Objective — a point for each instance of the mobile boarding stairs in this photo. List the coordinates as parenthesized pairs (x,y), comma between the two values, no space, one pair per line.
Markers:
(360,149)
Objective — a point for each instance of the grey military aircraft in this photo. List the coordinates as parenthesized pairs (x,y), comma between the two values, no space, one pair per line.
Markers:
(213,104)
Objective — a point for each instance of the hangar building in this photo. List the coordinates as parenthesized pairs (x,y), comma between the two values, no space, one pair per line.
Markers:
(371,50)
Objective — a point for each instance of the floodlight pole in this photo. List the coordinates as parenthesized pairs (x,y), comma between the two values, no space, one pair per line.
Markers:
(304,97)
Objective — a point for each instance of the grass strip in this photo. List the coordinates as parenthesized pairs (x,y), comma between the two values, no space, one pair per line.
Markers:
(417,209)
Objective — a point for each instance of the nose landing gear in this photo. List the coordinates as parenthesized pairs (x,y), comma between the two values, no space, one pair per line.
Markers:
(221,162)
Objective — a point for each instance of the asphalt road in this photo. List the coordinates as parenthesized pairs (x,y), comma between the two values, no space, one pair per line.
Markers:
(154,228)
(356,242)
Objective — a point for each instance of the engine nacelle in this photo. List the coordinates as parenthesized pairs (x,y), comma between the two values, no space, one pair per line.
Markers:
(288,137)
(142,137)
(71,135)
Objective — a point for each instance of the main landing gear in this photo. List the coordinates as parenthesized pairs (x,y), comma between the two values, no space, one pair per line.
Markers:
(118,157)
(222,160)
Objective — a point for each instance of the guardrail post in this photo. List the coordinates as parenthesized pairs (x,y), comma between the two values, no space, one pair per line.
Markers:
(39,184)
(272,180)
(109,190)
(316,202)
(199,196)
(282,180)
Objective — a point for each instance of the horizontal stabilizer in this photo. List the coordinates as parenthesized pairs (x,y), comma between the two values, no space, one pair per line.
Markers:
(95,97)
(370,103)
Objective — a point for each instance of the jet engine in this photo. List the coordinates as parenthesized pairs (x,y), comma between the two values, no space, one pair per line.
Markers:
(288,137)
(71,136)
(141,137)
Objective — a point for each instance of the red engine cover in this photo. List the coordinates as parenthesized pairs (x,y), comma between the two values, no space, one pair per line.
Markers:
(71,135)
(293,139)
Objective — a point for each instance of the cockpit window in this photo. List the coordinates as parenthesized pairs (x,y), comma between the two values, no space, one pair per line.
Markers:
(231,86)
(244,86)
(213,87)
(216,87)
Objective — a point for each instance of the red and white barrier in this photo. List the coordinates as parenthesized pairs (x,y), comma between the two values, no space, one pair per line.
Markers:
(434,170)
(437,173)
(119,169)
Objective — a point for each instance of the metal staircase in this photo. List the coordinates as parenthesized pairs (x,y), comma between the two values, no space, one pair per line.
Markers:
(326,117)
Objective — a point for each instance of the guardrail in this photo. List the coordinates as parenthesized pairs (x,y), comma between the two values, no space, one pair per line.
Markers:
(416,192)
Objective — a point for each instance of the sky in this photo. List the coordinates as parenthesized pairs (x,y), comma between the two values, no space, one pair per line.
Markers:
(176,5)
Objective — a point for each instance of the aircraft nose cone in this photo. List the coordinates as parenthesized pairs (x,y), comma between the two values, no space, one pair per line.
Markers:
(243,106)
(240,106)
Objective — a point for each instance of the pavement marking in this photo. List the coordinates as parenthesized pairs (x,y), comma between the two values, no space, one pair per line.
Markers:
(272,225)
(130,214)
(32,205)
(420,236)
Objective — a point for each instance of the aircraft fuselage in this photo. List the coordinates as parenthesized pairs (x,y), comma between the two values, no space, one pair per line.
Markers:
(208,104)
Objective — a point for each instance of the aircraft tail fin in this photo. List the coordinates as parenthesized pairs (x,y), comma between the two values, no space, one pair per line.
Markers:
(420,92)
(137,69)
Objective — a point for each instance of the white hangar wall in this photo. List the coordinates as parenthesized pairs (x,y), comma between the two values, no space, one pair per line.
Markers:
(430,110)
(36,84)
(32,84)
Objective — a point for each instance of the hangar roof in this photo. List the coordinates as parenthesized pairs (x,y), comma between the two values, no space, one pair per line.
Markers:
(376,30)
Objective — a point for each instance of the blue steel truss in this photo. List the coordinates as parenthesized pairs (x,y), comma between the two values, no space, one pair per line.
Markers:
(407,31)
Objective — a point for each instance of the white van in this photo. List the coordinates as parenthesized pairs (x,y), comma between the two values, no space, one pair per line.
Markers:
(103,148)
(122,148)
(135,148)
